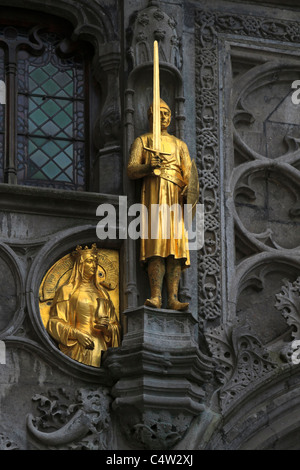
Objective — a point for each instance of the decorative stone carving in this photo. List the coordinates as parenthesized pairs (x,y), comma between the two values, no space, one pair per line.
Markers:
(247,25)
(209,261)
(156,430)
(80,422)
(242,360)
(266,201)
(150,24)
(260,137)
(160,376)
(288,302)
(6,443)
(258,280)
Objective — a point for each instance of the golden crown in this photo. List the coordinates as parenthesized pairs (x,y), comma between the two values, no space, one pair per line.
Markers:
(86,251)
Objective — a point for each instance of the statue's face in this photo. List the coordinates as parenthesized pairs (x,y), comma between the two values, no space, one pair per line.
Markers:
(165,118)
(89,266)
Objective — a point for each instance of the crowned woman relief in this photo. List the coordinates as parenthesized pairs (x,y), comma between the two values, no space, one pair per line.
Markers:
(82,317)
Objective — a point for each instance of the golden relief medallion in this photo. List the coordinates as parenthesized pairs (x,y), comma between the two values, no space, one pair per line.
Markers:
(79,303)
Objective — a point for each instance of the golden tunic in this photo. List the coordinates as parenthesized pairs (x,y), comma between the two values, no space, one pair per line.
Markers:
(162,190)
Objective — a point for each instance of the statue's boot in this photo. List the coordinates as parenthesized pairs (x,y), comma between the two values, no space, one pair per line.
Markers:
(156,272)
(173,277)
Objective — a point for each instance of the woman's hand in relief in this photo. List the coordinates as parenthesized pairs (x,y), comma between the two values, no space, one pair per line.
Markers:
(85,340)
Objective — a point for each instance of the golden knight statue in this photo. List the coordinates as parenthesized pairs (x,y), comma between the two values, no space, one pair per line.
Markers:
(164,163)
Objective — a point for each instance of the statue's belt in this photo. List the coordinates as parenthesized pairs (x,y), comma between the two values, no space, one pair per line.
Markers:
(172,178)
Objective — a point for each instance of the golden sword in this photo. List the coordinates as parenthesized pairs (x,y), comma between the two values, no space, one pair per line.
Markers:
(156,110)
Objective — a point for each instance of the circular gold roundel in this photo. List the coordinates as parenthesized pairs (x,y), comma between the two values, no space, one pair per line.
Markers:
(59,274)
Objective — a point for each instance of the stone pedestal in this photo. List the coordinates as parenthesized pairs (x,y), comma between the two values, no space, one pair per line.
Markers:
(159,375)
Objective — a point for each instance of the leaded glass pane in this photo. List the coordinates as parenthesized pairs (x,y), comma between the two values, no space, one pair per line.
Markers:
(51,119)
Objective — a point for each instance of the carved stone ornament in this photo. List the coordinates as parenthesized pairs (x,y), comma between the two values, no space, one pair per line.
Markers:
(160,377)
(288,303)
(155,429)
(209,258)
(68,421)
(150,24)
(265,145)
(6,443)
(241,359)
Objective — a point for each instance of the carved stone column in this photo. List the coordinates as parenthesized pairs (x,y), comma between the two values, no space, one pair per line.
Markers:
(159,375)
(108,166)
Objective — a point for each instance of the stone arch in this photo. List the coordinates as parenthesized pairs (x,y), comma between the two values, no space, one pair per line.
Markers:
(90,19)
(264,418)
(13,297)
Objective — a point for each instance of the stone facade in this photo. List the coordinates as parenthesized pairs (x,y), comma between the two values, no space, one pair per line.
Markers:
(226,374)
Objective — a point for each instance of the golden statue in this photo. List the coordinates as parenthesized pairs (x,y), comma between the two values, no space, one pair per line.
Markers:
(164,163)
(82,317)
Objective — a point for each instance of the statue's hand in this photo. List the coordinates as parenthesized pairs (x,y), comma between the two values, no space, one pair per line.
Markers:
(85,340)
(155,161)
(183,194)
(103,325)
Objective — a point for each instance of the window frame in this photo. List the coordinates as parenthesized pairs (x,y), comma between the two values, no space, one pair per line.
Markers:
(27,19)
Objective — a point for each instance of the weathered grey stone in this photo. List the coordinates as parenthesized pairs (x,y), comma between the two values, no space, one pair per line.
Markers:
(160,377)
(226,71)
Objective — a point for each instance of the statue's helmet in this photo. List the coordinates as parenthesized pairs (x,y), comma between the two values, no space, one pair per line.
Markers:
(163,104)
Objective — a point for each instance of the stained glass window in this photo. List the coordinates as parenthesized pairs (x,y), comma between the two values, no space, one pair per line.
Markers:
(50,118)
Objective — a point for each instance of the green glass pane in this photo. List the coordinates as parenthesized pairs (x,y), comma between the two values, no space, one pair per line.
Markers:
(63,78)
(50,148)
(69,109)
(51,81)
(36,77)
(36,143)
(68,90)
(69,171)
(32,146)
(49,128)
(62,160)
(69,151)
(32,169)
(39,176)
(62,119)
(39,158)
(50,87)
(64,177)
(50,69)
(50,108)
(51,170)
(36,119)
